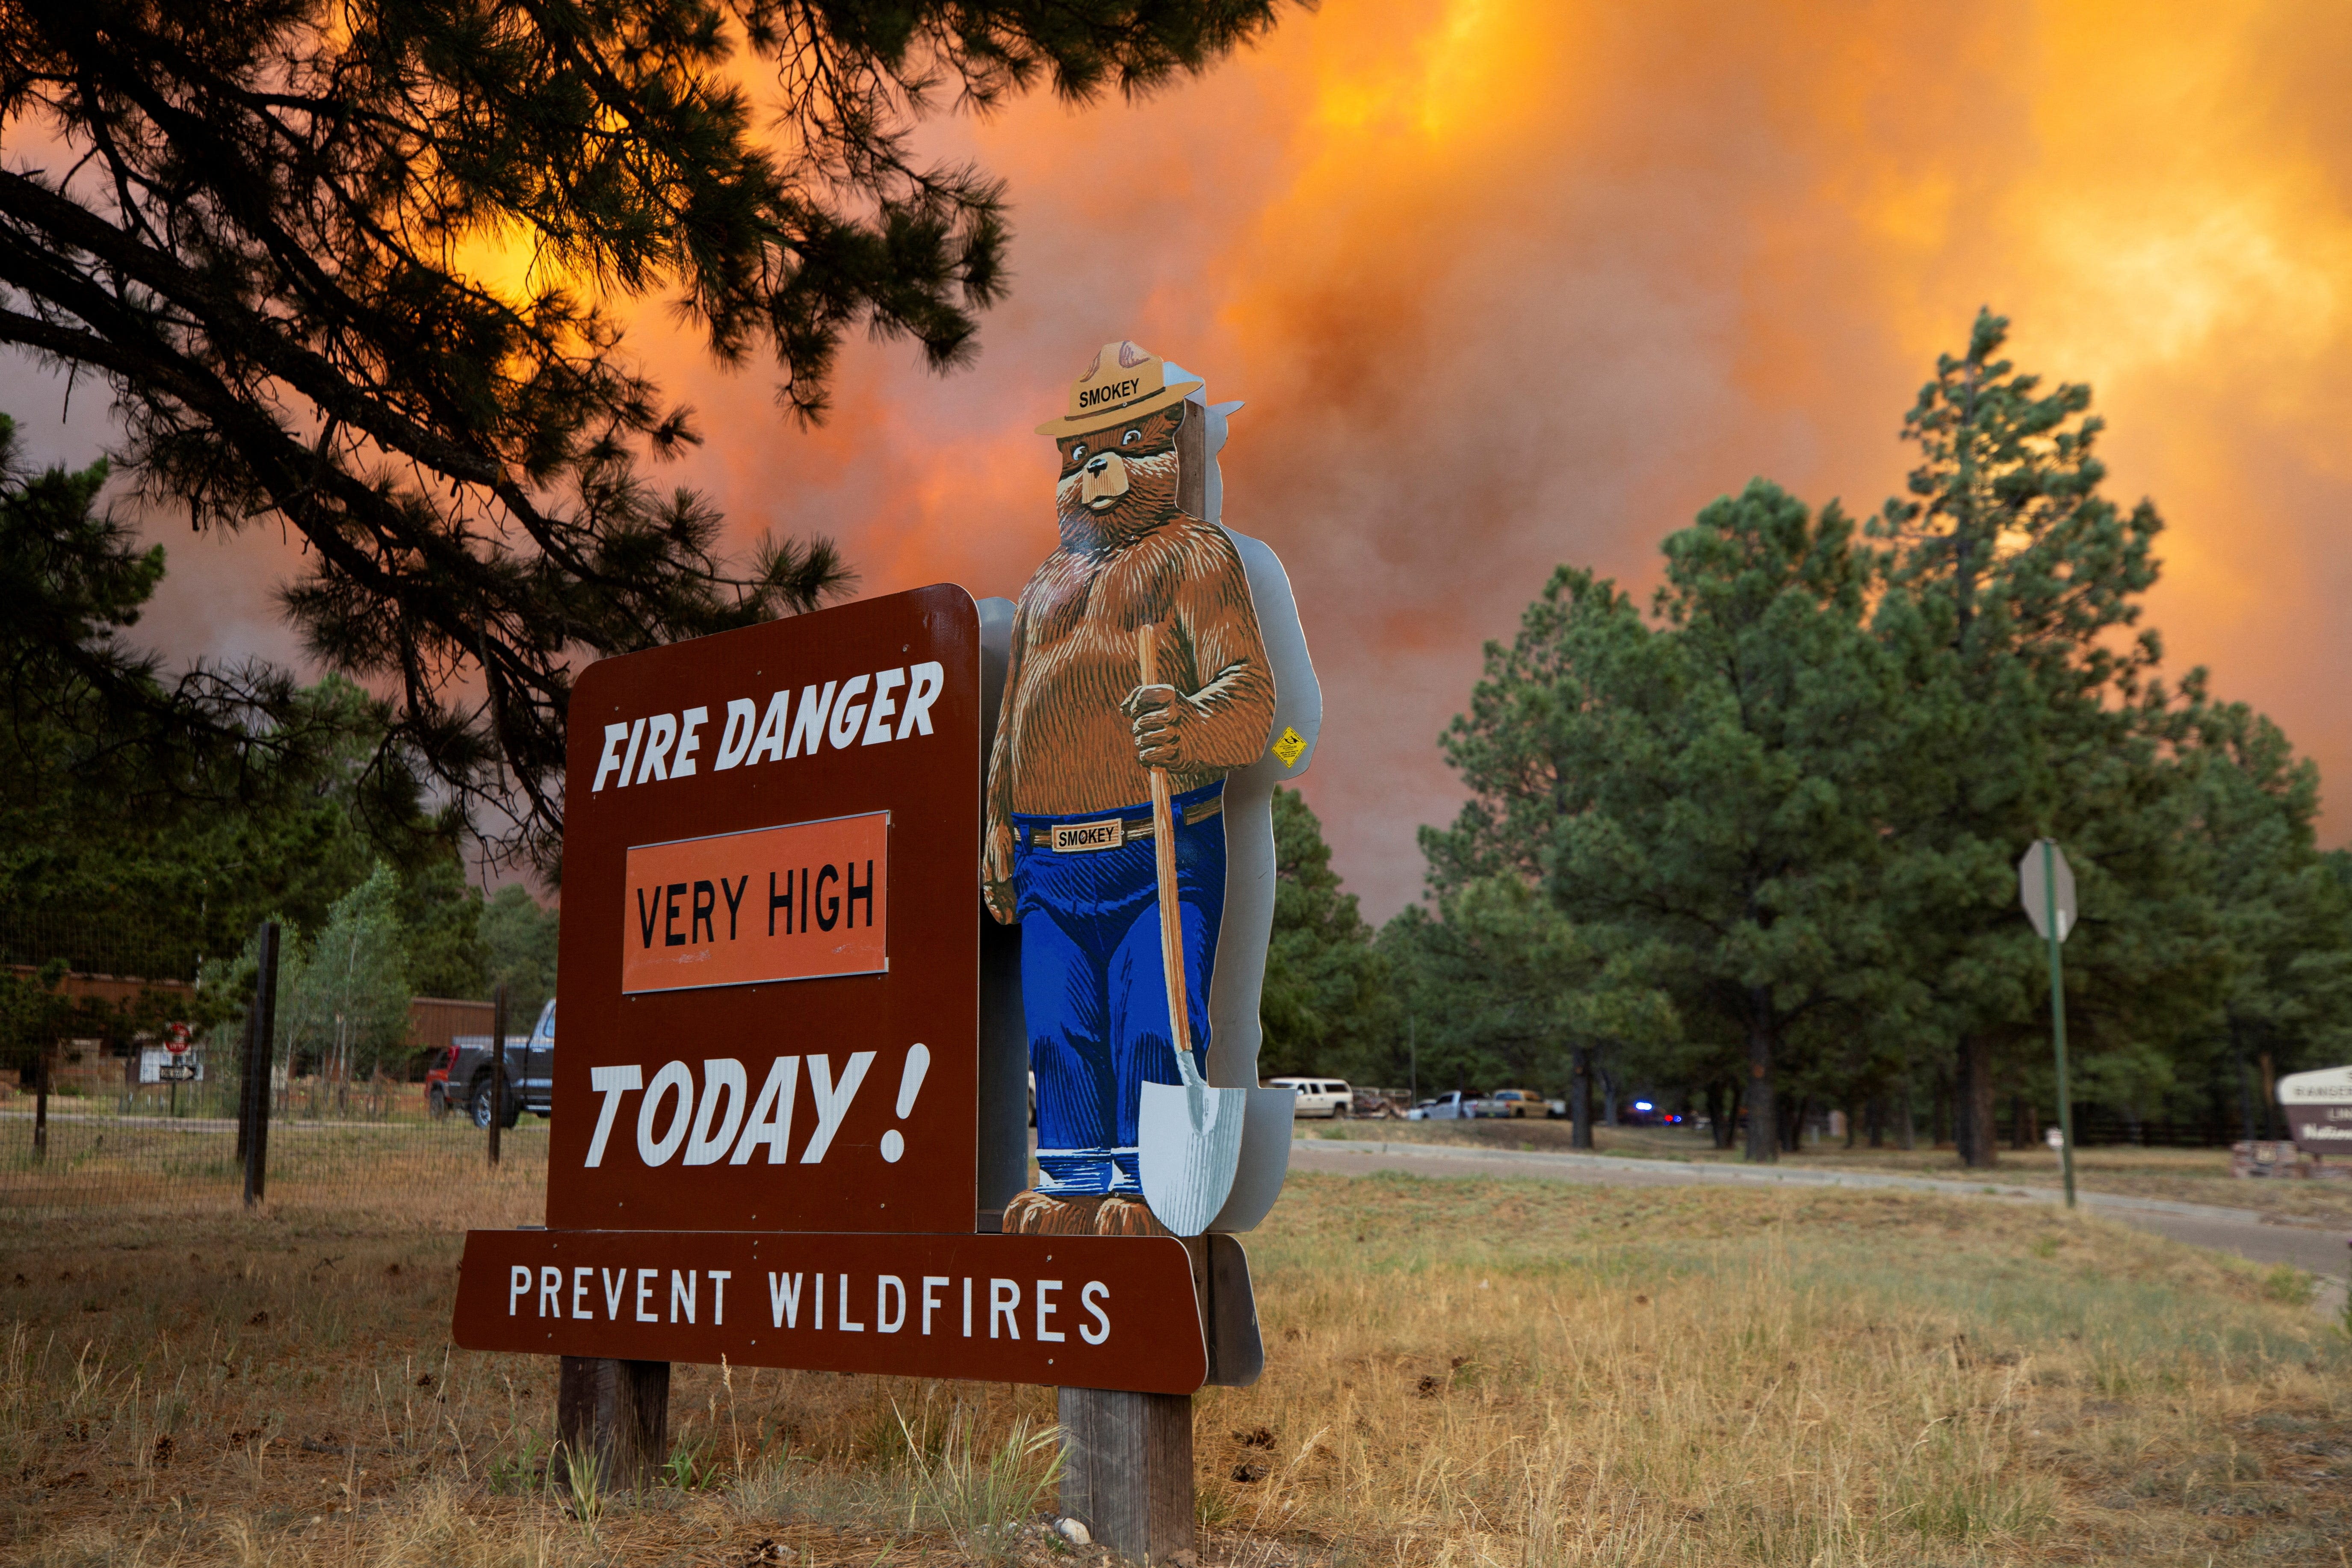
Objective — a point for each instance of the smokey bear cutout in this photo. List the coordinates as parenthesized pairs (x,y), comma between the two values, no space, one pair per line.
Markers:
(1113,918)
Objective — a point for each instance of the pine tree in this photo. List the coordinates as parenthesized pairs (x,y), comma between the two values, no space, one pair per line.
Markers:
(1696,796)
(1324,1002)
(344,266)
(2283,913)
(2030,709)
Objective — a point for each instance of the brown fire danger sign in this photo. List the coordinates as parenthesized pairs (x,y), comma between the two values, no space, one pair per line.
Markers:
(1082,1311)
(764,1138)
(768,1007)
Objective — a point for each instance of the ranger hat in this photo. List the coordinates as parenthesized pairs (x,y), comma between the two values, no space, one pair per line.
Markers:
(1124,382)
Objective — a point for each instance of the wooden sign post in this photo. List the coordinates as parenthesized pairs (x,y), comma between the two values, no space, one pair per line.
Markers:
(794,1127)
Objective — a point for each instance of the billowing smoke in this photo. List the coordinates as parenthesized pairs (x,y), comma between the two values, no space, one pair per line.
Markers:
(1506,283)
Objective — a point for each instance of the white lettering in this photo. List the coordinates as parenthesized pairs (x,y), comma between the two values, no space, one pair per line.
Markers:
(770,741)
(929,1300)
(682,764)
(613,735)
(967,1305)
(784,1300)
(843,1326)
(578,1289)
(674,1075)
(889,1304)
(518,1279)
(705,1147)
(808,723)
(645,1276)
(877,727)
(1004,1302)
(718,1277)
(772,1115)
(616,1280)
(551,1291)
(832,1103)
(629,758)
(682,1286)
(842,731)
(917,719)
(612,1083)
(1046,1309)
(742,714)
(1086,1299)
(658,743)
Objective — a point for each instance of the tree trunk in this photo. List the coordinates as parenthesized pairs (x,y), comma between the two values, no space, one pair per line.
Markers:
(1792,1123)
(1763,1120)
(1975,1133)
(1878,1121)
(1940,1113)
(1723,1113)
(1904,1131)
(1580,1098)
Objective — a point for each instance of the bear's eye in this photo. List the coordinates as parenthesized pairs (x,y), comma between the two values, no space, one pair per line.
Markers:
(1078,453)
(1130,438)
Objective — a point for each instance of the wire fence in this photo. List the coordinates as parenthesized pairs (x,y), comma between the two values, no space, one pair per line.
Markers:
(437,1170)
(132,1123)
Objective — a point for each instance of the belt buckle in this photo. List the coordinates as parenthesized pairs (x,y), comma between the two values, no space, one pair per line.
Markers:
(1074,837)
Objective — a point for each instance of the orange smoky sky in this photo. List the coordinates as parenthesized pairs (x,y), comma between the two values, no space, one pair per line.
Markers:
(1508,283)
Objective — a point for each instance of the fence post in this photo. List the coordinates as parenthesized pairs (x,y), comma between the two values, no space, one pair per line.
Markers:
(245,1089)
(258,1055)
(41,1104)
(498,1067)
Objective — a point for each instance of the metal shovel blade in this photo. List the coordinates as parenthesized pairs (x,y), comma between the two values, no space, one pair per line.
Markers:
(1188,1140)
(1264,1160)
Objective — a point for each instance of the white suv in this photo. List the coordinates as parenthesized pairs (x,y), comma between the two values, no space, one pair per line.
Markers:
(1317,1096)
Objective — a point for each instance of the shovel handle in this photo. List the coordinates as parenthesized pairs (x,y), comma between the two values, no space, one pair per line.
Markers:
(1163,849)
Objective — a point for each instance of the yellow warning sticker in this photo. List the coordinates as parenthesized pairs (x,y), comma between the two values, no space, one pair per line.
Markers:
(1289,745)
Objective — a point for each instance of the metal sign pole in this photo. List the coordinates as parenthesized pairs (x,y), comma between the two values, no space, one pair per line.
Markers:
(498,1067)
(2058,1017)
(259,1059)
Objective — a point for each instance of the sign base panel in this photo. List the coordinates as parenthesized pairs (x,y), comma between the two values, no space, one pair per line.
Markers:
(1074,1312)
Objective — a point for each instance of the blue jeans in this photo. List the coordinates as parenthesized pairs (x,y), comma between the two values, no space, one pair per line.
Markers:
(1094,990)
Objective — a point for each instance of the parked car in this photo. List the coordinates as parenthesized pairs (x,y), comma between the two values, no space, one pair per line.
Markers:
(1514,1102)
(530,1071)
(1455,1105)
(1317,1096)
(437,1084)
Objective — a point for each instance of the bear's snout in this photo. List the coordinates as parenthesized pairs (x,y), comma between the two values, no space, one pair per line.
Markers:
(1102,481)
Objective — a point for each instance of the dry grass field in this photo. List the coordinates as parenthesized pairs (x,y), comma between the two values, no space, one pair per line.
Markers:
(1509,1372)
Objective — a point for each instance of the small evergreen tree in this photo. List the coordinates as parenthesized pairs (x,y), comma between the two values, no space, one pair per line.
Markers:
(1324,999)
(518,943)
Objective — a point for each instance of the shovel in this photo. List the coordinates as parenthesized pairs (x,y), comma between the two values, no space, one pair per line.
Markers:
(1187,1135)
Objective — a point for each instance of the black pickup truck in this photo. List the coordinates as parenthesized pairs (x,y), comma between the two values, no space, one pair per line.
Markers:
(531,1072)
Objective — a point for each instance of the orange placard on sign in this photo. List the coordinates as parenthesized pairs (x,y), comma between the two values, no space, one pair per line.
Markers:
(796,902)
